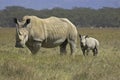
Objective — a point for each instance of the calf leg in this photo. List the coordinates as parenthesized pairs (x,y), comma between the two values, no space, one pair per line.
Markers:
(95,51)
(87,51)
(63,47)
(83,50)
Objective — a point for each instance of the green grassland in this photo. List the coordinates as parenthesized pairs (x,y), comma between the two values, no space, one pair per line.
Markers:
(48,64)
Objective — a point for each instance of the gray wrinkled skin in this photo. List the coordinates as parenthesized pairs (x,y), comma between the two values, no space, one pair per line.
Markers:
(35,32)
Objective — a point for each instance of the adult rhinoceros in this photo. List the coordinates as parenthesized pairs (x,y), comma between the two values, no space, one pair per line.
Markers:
(35,32)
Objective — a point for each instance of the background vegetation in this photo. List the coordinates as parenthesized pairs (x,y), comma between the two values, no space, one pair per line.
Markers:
(105,17)
(20,64)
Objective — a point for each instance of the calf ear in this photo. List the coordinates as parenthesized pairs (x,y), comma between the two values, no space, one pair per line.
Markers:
(86,36)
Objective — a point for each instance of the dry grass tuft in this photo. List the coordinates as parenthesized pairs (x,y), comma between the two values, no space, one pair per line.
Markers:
(20,64)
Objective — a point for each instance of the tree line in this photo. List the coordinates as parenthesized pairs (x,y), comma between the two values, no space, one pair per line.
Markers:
(81,17)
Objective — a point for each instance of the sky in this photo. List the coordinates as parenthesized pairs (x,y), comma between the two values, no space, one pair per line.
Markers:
(67,4)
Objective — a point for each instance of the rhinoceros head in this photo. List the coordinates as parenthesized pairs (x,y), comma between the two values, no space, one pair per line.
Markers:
(21,32)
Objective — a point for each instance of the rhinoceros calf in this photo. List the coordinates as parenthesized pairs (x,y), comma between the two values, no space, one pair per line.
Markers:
(89,43)
(50,32)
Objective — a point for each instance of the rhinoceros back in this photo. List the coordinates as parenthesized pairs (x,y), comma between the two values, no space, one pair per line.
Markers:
(52,31)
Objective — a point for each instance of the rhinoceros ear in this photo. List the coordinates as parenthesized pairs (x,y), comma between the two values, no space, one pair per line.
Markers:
(15,20)
(27,21)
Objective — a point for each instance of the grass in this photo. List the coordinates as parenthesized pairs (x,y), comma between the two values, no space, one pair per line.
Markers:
(20,64)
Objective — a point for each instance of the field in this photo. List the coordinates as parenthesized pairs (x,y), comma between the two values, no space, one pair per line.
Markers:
(20,64)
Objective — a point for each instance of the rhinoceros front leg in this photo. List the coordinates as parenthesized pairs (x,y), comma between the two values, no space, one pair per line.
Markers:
(34,47)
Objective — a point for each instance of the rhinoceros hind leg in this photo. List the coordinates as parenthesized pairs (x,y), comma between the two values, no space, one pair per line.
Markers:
(72,46)
(63,47)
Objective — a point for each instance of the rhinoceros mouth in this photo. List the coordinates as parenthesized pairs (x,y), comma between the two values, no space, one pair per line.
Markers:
(19,46)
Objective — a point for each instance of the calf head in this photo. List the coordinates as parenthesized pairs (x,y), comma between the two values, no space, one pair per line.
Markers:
(83,40)
(21,32)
